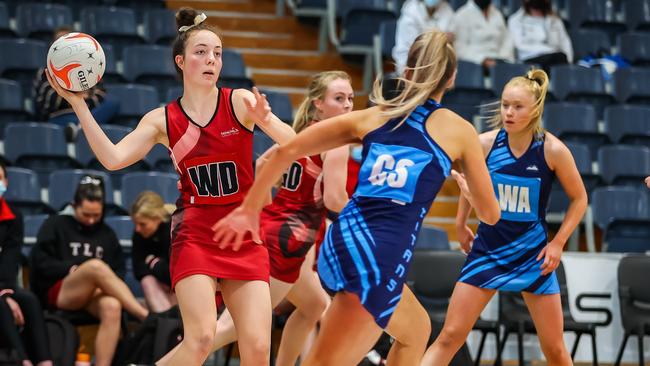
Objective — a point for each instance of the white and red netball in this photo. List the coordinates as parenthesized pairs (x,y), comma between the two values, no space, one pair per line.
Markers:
(76,61)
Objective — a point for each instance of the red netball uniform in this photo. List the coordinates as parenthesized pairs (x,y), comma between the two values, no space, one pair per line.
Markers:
(295,220)
(215,164)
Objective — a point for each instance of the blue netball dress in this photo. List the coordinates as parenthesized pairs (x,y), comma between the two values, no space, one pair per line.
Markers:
(504,256)
(367,250)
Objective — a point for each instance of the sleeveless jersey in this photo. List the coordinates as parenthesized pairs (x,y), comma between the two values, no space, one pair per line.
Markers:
(368,249)
(504,256)
(295,220)
(214,161)
(215,164)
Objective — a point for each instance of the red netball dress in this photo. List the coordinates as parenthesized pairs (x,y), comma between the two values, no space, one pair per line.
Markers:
(295,220)
(215,164)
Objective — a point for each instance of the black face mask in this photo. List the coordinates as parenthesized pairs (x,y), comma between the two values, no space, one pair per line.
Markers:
(483,4)
(538,4)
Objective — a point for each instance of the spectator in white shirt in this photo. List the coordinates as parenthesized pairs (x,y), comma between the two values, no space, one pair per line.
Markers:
(481,35)
(539,35)
(417,17)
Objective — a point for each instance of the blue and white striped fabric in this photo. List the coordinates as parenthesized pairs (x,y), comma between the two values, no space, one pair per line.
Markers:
(368,249)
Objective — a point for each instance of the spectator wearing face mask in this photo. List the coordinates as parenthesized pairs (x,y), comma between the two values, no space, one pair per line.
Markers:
(417,17)
(481,35)
(539,35)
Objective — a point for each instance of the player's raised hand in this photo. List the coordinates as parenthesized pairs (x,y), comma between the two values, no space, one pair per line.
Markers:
(260,112)
(230,231)
(70,97)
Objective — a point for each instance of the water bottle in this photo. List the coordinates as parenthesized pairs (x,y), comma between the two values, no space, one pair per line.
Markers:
(83,359)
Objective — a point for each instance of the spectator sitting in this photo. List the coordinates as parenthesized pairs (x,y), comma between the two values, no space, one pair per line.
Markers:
(539,35)
(481,35)
(77,264)
(150,252)
(50,107)
(417,17)
(19,308)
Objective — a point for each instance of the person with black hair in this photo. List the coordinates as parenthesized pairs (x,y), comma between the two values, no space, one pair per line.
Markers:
(22,327)
(78,264)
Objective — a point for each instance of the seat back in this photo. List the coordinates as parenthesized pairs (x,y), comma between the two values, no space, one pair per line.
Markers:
(63,184)
(37,20)
(165,184)
(624,164)
(160,26)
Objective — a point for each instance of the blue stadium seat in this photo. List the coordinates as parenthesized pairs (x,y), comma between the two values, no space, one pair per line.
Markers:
(38,146)
(637,14)
(635,47)
(20,60)
(135,101)
(122,225)
(468,87)
(580,84)
(173,94)
(466,111)
(361,20)
(35,20)
(595,14)
(5,29)
(158,159)
(32,224)
(509,7)
(624,164)
(160,26)
(622,213)
(587,42)
(63,184)
(628,124)
(141,7)
(558,201)
(129,277)
(501,73)
(111,74)
(77,6)
(162,183)
(632,85)
(387,35)
(261,143)
(235,83)
(280,105)
(233,65)
(431,238)
(114,25)
(24,192)
(11,104)
(158,70)
(576,123)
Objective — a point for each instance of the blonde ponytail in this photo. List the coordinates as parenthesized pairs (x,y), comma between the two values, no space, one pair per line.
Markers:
(431,64)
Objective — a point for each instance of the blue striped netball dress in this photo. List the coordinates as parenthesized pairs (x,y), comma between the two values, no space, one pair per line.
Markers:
(504,256)
(368,249)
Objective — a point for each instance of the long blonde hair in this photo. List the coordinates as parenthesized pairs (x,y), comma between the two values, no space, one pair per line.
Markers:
(536,82)
(431,64)
(150,205)
(306,113)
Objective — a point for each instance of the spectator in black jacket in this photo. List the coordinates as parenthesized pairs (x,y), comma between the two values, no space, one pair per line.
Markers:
(50,107)
(150,251)
(78,264)
(21,319)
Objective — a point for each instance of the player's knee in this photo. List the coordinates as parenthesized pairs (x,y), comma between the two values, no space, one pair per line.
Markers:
(110,309)
(555,351)
(451,337)
(315,309)
(258,351)
(201,340)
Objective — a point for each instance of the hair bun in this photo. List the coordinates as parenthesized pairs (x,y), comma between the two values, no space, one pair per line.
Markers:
(185,17)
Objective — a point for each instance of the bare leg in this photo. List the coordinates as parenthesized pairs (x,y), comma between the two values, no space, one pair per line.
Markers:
(465,307)
(109,311)
(79,287)
(546,311)
(311,301)
(411,328)
(346,335)
(199,312)
(156,294)
(250,305)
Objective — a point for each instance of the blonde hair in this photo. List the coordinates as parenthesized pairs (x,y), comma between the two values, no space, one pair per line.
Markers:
(306,113)
(431,64)
(536,82)
(150,205)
